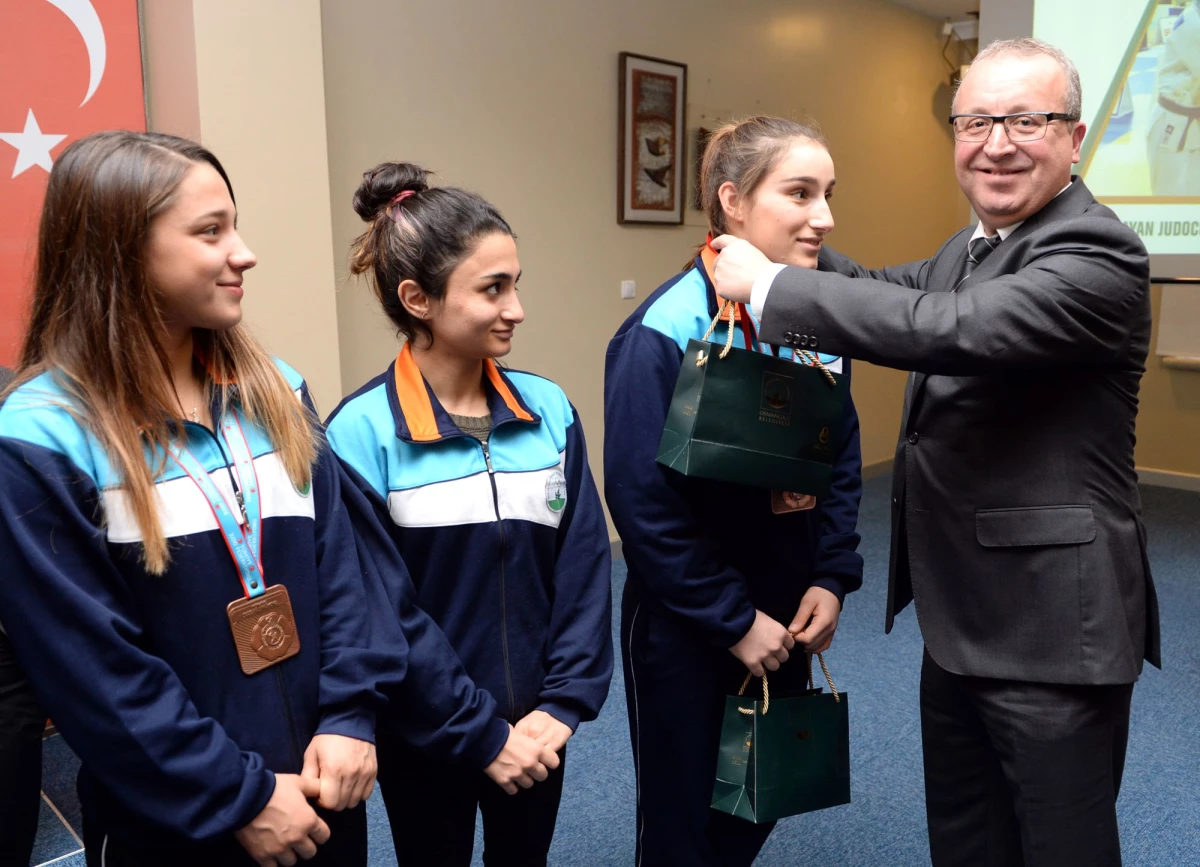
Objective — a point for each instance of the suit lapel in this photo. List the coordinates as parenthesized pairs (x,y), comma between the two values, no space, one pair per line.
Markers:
(948,267)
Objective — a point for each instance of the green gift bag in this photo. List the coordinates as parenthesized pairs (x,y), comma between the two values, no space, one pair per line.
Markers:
(752,418)
(783,756)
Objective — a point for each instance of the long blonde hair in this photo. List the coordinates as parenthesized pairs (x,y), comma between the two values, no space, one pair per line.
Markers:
(97,325)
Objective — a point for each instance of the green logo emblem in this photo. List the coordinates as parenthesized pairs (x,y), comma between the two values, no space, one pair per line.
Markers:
(305,489)
(556,492)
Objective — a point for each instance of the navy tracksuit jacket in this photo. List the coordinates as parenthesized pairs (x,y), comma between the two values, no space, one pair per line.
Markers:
(139,671)
(505,541)
(702,556)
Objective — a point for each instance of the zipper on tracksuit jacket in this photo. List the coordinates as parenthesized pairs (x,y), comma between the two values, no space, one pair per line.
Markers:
(487,458)
(283,695)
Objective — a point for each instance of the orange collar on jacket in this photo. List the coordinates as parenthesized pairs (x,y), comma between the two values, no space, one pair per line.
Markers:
(416,398)
(708,256)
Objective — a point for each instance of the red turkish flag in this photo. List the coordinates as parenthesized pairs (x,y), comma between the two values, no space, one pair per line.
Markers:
(70,68)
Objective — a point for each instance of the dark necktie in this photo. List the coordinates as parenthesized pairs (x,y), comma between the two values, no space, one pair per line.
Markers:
(978,250)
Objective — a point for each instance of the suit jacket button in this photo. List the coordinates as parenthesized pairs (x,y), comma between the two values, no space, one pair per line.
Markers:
(787,337)
(812,343)
(804,340)
(914,438)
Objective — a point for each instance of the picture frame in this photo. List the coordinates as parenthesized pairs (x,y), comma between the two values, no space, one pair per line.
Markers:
(652,172)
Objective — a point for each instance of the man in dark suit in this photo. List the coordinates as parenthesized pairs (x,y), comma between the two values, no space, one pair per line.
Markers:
(21,724)
(1015,511)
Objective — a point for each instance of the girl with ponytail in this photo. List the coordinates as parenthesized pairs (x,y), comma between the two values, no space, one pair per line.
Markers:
(723,579)
(479,477)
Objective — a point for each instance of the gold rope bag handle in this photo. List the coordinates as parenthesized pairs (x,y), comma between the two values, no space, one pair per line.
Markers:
(767,694)
(828,679)
(702,357)
(813,361)
(748,711)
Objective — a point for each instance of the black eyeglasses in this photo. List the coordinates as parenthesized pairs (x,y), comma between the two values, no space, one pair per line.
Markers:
(1019,127)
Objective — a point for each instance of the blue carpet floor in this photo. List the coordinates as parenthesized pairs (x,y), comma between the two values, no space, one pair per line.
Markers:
(884,826)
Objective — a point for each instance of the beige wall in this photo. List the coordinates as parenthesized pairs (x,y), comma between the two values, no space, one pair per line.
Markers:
(1004,19)
(519,102)
(246,78)
(1168,427)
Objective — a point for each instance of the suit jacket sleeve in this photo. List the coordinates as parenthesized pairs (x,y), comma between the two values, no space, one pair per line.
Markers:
(1068,302)
(911,274)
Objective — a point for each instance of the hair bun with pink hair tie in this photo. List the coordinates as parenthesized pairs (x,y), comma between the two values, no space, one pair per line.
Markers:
(401,196)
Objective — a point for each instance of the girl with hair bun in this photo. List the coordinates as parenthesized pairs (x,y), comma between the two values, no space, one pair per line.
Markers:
(479,476)
(723,578)
(180,580)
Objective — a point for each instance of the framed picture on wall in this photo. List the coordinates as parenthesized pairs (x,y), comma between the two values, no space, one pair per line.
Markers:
(652,175)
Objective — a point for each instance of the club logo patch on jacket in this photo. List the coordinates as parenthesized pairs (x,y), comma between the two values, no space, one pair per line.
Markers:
(556,492)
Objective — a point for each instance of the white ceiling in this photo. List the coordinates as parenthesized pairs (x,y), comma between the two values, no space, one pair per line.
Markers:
(952,9)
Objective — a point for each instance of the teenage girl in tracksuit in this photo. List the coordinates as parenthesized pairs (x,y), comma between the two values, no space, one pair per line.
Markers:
(480,476)
(723,578)
(180,579)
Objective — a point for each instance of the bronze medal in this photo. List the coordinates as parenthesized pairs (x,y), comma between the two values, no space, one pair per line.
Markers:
(783,502)
(264,629)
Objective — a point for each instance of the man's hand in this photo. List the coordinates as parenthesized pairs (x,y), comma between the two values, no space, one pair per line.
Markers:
(345,768)
(816,620)
(765,646)
(544,729)
(737,267)
(522,762)
(287,828)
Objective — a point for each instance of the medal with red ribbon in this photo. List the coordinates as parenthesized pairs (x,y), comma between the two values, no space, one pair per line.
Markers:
(263,626)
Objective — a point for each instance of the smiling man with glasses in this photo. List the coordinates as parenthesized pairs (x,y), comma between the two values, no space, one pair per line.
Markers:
(1021,127)
(1016,518)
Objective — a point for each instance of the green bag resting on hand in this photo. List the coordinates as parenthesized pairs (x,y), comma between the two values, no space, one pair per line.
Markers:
(783,756)
(754,419)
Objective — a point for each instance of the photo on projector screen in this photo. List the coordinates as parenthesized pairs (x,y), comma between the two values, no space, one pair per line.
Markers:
(1149,144)
(1139,62)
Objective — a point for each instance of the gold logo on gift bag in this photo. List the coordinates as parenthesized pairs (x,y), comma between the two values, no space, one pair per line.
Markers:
(822,446)
(775,394)
(775,404)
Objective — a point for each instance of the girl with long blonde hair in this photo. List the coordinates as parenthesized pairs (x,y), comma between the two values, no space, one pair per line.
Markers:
(181,583)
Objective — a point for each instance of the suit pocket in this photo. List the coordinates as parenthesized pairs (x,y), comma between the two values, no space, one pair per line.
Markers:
(1035,526)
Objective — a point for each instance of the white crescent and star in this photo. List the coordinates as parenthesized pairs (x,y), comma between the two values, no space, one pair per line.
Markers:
(34,146)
